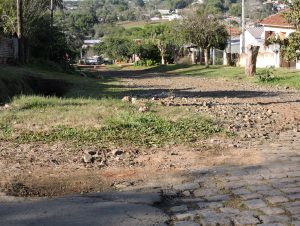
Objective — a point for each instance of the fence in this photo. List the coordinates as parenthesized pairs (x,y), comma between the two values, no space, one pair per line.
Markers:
(8,50)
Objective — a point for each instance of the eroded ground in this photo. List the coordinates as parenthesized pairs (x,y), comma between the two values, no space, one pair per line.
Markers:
(251,176)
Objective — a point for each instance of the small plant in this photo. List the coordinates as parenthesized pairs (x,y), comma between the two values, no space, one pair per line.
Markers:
(266,75)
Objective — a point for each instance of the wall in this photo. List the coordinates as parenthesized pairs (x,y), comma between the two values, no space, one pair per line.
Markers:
(250,40)
(263,60)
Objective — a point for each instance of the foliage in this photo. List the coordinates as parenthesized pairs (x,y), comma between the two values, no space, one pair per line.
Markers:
(293,14)
(290,46)
(116,48)
(206,32)
(265,75)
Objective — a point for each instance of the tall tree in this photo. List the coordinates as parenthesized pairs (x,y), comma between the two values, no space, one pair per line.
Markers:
(206,32)
(20,29)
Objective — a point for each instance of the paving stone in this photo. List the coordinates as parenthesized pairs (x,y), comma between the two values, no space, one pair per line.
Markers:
(296,217)
(186,223)
(251,196)
(291,190)
(187,186)
(271,193)
(190,200)
(260,188)
(274,219)
(184,216)
(272,211)
(291,204)
(206,213)
(273,224)
(234,185)
(217,219)
(293,209)
(218,198)
(205,192)
(245,220)
(276,199)
(255,203)
(294,173)
(294,196)
(241,191)
(181,208)
(230,210)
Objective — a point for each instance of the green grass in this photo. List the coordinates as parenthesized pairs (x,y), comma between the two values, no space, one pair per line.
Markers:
(103,122)
(282,76)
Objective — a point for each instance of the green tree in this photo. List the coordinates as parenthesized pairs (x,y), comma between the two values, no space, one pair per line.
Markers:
(206,32)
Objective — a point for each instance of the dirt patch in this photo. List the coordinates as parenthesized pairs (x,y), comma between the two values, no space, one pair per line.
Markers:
(252,114)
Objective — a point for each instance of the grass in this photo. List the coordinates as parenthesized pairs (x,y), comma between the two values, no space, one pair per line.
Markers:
(282,76)
(105,122)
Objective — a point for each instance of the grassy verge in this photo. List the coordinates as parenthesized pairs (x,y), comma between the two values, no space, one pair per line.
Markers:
(26,80)
(88,114)
(281,76)
(105,122)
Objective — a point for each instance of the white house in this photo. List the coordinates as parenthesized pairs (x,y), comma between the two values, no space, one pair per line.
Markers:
(254,36)
(277,25)
(269,55)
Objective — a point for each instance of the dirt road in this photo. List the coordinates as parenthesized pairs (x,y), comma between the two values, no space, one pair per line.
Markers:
(249,178)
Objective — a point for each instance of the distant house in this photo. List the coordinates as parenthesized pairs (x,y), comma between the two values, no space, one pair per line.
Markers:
(277,25)
(254,36)
(269,54)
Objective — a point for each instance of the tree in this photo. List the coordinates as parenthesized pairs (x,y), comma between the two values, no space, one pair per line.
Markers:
(162,36)
(20,29)
(116,48)
(206,32)
(290,46)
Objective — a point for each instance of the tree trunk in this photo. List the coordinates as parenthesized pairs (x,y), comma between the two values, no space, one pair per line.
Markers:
(163,61)
(20,30)
(206,57)
(252,52)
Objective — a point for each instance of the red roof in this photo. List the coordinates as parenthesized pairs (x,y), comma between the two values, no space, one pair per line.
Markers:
(276,20)
(233,31)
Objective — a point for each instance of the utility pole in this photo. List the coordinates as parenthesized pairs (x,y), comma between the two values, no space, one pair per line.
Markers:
(20,29)
(243,26)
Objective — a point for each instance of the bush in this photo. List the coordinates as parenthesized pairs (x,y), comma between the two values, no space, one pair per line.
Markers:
(266,75)
(147,63)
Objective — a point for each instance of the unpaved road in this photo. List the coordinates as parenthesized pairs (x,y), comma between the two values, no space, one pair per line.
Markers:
(266,123)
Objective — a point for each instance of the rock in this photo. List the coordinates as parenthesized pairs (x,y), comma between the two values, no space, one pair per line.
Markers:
(144,109)
(186,193)
(296,130)
(126,99)
(118,152)
(269,112)
(134,100)
(87,158)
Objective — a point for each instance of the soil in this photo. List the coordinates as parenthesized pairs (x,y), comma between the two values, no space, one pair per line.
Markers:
(255,114)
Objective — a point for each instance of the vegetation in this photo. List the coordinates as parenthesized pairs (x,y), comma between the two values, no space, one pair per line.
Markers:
(89,112)
(205,32)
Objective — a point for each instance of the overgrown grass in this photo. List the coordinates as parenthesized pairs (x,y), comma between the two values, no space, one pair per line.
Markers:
(104,122)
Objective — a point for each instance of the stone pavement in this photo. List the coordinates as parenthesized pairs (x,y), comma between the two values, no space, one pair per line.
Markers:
(264,194)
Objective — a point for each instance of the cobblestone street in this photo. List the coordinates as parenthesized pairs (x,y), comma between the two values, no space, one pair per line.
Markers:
(264,194)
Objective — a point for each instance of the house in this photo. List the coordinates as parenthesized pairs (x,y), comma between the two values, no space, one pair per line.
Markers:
(254,36)
(269,54)
(276,25)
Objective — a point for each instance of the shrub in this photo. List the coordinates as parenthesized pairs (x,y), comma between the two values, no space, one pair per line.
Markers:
(266,75)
